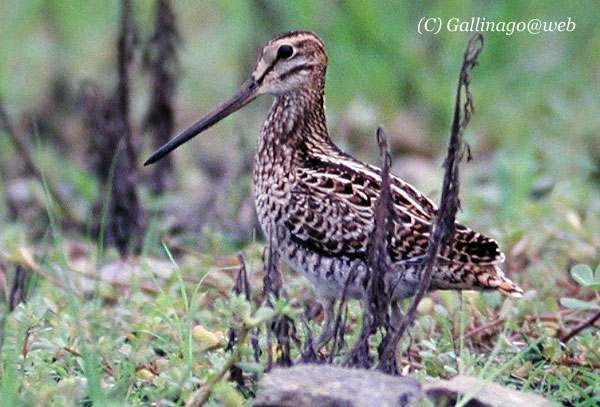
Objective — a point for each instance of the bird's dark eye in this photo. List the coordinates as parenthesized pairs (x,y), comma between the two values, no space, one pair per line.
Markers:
(284,52)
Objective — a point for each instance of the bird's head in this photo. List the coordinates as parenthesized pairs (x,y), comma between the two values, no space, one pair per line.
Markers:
(291,62)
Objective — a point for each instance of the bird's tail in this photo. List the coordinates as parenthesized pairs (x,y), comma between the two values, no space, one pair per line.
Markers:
(474,277)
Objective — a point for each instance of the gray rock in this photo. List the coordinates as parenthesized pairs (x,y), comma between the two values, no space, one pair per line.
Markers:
(481,393)
(331,386)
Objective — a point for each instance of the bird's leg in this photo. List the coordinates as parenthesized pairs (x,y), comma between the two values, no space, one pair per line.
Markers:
(328,329)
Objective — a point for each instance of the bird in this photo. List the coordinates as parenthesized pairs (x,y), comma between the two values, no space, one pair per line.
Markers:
(316,203)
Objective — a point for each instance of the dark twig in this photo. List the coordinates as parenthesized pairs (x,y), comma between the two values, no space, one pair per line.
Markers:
(490,324)
(95,107)
(443,227)
(272,281)
(339,330)
(161,60)
(4,284)
(122,222)
(309,355)
(126,44)
(340,319)
(286,334)
(18,292)
(271,286)
(242,286)
(127,222)
(585,324)
(281,326)
(567,361)
(378,296)
(32,167)
(379,261)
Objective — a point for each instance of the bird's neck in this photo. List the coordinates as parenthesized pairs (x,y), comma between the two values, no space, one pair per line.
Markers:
(295,125)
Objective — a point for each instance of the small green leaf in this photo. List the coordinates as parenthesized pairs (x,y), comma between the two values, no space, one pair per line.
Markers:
(262,315)
(251,367)
(227,395)
(583,274)
(597,275)
(580,305)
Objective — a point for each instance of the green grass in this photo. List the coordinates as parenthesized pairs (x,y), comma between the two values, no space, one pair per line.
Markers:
(153,328)
(124,345)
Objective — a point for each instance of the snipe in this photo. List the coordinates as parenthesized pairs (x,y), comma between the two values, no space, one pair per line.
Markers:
(316,203)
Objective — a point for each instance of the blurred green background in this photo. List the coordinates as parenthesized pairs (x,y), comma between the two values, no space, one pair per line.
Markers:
(533,183)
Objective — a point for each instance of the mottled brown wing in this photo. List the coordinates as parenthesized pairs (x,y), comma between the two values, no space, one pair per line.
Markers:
(326,224)
(332,210)
(332,206)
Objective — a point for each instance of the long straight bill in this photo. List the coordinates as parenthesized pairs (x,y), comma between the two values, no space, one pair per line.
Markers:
(239,99)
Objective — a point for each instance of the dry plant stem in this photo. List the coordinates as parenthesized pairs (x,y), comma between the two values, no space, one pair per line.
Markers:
(200,396)
(33,167)
(272,281)
(407,362)
(127,39)
(590,322)
(119,284)
(4,284)
(339,327)
(28,261)
(242,287)
(125,222)
(25,348)
(444,225)
(56,282)
(18,292)
(163,65)
(271,285)
(242,284)
(483,327)
(550,316)
(566,361)
(72,351)
(380,295)
(282,326)
(377,298)
(231,261)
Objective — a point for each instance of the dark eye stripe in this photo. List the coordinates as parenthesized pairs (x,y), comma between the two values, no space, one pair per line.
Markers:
(266,72)
(296,69)
(285,54)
